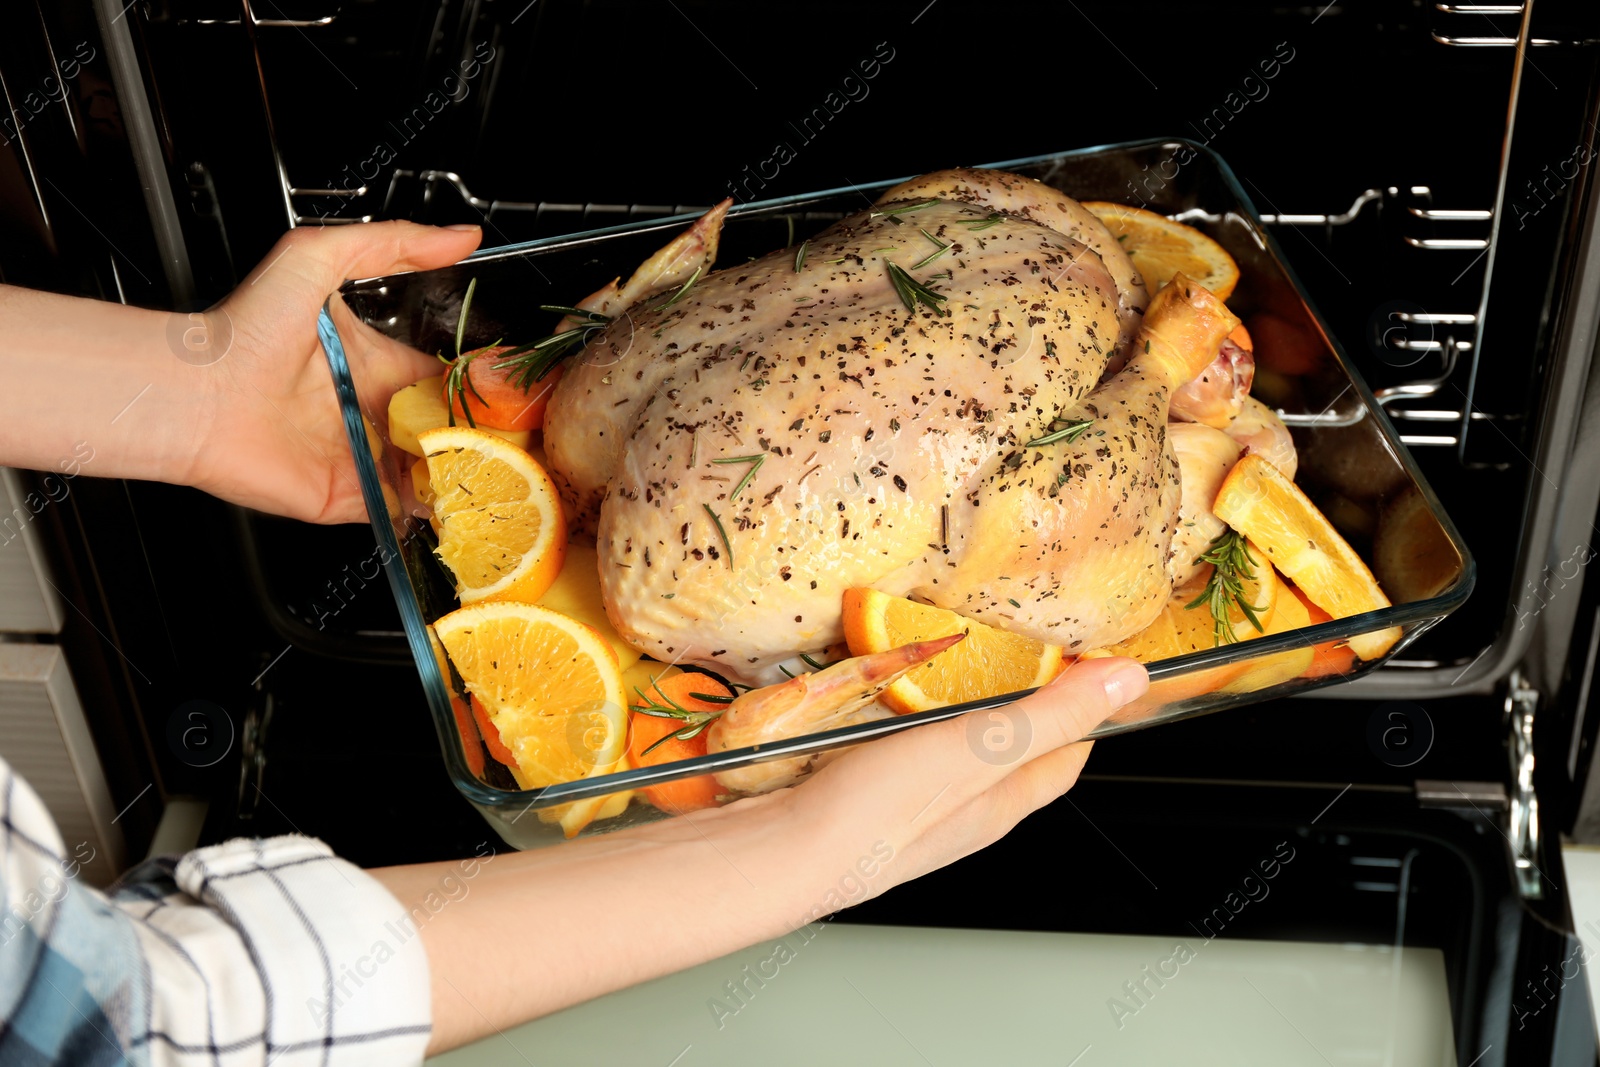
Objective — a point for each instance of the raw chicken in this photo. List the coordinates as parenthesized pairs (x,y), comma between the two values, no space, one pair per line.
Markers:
(1217,394)
(1205,456)
(1258,428)
(748,447)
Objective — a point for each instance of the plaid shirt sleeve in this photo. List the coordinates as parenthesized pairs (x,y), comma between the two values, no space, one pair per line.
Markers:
(250,952)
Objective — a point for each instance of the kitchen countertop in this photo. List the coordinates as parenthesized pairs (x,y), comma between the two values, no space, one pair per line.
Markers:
(844,993)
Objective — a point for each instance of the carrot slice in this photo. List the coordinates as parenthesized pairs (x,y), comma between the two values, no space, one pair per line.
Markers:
(491,736)
(645,731)
(471,744)
(496,400)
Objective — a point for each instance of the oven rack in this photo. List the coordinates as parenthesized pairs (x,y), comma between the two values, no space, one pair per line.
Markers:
(1446,339)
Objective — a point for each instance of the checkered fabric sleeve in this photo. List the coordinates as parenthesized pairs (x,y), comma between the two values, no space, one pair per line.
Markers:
(246,953)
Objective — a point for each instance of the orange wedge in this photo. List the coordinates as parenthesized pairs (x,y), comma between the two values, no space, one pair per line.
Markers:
(501,532)
(1268,671)
(989,662)
(1161,248)
(1180,629)
(551,687)
(1260,502)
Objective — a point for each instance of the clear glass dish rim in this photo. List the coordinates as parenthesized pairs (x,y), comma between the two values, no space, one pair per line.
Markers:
(1419,611)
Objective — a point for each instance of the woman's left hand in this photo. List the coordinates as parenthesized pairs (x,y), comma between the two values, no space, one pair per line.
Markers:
(275,438)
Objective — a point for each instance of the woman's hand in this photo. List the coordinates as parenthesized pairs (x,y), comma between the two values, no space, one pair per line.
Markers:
(237,400)
(276,439)
(540,931)
(943,791)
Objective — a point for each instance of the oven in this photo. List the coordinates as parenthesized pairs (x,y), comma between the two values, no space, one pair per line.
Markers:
(1426,168)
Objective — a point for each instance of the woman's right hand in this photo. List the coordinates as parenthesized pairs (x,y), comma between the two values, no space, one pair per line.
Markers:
(943,791)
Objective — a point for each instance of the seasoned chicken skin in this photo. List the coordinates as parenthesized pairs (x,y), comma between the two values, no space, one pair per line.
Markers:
(749,447)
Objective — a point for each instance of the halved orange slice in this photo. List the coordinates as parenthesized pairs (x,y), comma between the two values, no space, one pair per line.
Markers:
(989,662)
(1161,248)
(551,687)
(501,531)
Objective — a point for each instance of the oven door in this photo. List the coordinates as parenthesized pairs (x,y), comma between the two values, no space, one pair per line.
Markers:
(1451,252)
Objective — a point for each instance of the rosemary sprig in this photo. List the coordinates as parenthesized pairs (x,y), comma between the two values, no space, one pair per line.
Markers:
(811,661)
(892,212)
(755,462)
(456,380)
(723,533)
(913,292)
(684,288)
(695,722)
(943,247)
(532,361)
(800,256)
(984,223)
(1061,430)
(1232,566)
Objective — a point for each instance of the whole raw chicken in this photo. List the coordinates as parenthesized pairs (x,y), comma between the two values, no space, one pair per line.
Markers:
(912,401)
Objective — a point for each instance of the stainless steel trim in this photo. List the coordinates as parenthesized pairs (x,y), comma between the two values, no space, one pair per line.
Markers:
(1430,345)
(250,24)
(145,147)
(1429,318)
(1348,215)
(328,220)
(1433,793)
(1449,215)
(1449,243)
(1479,9)
(1491,42)
(1522,702)
(1432,415)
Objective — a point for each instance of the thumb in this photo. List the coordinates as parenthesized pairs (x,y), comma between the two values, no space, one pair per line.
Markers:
(309,263)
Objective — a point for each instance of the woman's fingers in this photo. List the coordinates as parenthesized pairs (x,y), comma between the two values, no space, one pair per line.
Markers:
(963,758)
(379,365)
(1040,781)
(309,263)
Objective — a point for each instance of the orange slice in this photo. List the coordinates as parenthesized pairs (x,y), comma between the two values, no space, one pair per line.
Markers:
(989,662)
(501,532)
(1180,629)
(551,687)
(1161,248)
(1269,671)
(1260,502)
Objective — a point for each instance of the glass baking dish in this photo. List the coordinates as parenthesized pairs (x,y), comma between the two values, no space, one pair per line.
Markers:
(1351,461)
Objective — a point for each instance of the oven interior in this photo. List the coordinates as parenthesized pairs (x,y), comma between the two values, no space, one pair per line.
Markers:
(1425,174)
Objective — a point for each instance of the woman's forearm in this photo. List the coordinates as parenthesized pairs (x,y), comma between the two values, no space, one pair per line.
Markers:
(91,378)
(533,932)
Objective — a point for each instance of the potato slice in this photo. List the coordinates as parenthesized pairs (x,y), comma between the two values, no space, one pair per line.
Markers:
(420,406)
